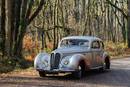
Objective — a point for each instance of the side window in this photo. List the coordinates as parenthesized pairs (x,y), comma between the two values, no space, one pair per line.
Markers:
(95,44)
(102,45)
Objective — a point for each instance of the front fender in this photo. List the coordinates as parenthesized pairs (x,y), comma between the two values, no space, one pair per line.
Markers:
(75,60)
(38,61)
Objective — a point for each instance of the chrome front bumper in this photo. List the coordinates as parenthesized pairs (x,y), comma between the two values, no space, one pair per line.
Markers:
(55,71)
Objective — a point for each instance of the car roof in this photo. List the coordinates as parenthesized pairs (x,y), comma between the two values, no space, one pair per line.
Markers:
(90,38)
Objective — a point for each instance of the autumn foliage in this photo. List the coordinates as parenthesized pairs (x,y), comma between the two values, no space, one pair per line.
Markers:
(27,42)
(116,49)
(30,46)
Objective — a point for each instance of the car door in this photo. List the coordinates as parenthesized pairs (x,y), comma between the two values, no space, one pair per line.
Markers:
(101,59)
(96,53)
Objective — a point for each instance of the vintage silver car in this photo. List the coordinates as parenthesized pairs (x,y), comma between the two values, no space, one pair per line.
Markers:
(76,55)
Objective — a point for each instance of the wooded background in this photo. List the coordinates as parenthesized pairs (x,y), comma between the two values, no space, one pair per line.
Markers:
(45,22)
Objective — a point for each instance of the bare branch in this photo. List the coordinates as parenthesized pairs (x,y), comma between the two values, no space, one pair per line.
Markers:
(31,2)
(52,28)
(42,2)
(119,9)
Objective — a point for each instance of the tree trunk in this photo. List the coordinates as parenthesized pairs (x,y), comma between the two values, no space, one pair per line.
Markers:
(128,24)
(17,23)
(83,9)
(76,13)
(2,27)
(10,17)
(54,31)
(26,19)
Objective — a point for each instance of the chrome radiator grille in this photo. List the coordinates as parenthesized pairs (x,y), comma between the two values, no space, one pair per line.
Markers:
(54,61)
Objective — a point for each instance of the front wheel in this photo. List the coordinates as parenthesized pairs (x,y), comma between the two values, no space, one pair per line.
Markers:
(78,74)
(42,74)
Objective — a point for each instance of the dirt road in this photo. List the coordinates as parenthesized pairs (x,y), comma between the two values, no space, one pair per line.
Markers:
(118,76)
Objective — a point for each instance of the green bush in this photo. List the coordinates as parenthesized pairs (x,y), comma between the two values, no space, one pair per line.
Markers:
(6,64)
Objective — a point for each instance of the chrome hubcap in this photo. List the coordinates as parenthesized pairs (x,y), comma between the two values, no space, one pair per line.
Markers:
(80,71)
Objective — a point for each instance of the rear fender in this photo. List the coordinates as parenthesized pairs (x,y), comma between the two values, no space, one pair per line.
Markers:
(105,55)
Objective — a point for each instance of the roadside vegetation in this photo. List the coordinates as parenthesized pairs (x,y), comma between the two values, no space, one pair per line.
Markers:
(117,50)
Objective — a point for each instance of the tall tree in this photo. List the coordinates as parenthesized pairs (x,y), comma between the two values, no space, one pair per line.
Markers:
(10,26)
(2,27)
(128,24)
(20,15)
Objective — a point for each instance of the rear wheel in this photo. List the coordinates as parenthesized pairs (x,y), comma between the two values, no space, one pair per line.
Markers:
(42,74)
(107,63)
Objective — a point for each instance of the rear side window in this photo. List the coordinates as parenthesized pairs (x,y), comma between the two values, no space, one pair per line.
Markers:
(102,45)
(96,45)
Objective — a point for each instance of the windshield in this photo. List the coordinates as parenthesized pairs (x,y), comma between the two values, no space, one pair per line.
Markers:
(74,42)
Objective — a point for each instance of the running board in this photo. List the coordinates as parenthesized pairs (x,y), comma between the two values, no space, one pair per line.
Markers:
(97,67)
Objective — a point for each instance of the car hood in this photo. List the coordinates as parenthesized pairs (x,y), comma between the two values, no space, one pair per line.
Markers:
(70,50)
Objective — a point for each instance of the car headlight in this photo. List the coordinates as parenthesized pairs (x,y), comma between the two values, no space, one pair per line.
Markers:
(45,63)
(66,62)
